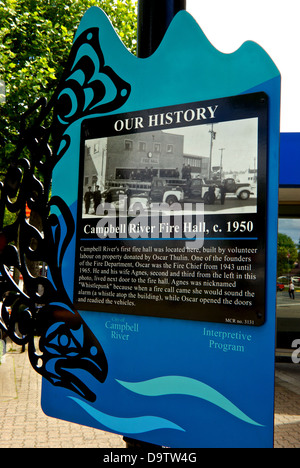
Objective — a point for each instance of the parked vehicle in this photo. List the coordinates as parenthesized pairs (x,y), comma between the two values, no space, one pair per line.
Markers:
(199,190)
(286,280)
(117,197)
(162,192)
(180,190)
(174,190)
(241,190)
(138,204)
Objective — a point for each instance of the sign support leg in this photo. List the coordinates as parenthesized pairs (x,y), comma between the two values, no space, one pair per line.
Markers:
(154,18)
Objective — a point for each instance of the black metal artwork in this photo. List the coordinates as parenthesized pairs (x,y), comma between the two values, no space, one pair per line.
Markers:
(42,315)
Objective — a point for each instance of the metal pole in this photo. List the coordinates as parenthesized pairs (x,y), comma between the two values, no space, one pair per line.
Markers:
(154,18)
(212,137)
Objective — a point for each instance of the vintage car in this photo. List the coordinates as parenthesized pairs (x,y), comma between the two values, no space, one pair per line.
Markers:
(163,192)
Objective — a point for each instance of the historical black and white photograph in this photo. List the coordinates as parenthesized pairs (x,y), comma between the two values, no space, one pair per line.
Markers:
(210,165)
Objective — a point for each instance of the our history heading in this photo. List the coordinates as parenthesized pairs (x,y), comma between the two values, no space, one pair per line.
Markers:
(177,117)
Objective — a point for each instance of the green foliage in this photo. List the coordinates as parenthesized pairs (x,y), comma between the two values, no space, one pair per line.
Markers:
(287,254)
(35,42)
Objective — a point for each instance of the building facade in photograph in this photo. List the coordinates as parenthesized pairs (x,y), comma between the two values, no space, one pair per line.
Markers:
(95,159)
(140,157)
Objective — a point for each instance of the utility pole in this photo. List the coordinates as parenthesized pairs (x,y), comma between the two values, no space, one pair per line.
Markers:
(212,138)
(221,162)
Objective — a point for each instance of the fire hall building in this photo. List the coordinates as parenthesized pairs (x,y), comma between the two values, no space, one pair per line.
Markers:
(140,156)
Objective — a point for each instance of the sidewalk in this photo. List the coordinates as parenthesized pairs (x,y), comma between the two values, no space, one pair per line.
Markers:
(23,423)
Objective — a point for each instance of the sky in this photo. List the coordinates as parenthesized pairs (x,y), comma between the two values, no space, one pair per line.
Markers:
(237,140)
(273,24)
(290,227)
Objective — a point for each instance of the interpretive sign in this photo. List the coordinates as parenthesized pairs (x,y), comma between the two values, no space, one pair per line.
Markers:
(202,255)
(164,216)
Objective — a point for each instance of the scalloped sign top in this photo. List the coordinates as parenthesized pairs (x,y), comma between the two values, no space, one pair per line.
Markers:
(185,67)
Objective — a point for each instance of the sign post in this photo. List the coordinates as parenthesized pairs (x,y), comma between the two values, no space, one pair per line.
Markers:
(154,19)
(163,329)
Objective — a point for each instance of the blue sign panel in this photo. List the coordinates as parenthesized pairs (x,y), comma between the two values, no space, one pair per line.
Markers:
(289,159)
(168,332)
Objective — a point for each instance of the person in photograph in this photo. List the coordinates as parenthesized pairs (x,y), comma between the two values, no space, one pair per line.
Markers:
(211,195)
(87,199)
(97,198)
(223,192)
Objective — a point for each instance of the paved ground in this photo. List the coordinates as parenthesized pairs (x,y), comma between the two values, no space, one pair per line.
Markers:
(23,424)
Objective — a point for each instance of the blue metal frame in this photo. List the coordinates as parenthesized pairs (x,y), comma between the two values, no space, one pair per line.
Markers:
(289,160)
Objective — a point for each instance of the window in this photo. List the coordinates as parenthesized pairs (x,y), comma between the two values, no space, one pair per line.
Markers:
(128,145)
(156,147)
(170,149)
(142,146)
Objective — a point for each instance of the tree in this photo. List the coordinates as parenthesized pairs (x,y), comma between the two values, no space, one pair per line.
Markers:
(287,254)
(35,42)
